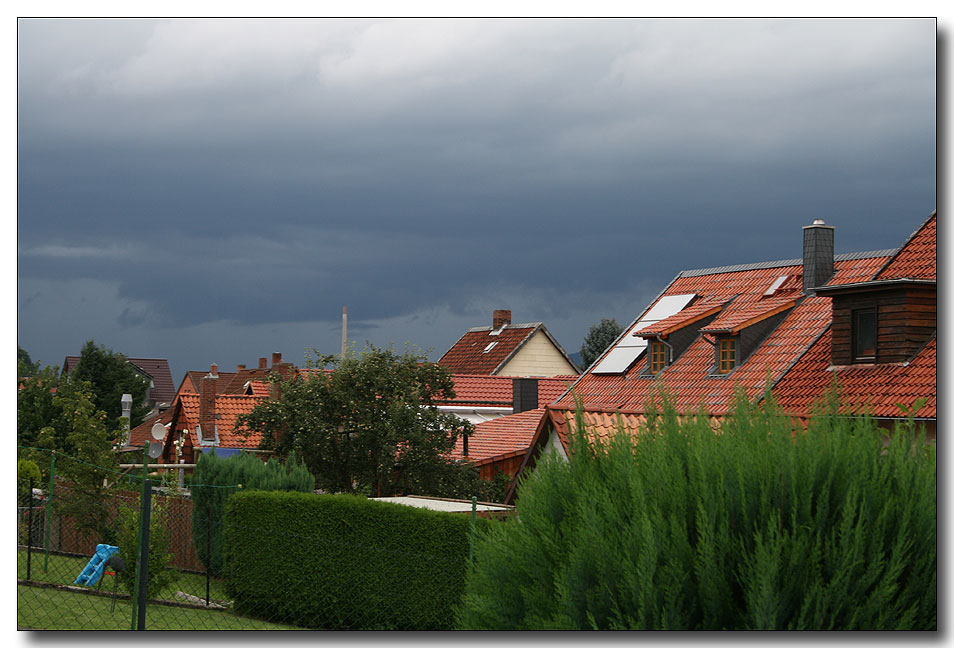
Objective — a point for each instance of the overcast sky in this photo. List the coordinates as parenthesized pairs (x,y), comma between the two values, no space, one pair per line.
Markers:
(216,190)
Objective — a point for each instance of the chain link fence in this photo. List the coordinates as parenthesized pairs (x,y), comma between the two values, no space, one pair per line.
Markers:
(62,584)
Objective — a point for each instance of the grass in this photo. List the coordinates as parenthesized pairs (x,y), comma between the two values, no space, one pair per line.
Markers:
(63,570)
(44,608)
(51,609)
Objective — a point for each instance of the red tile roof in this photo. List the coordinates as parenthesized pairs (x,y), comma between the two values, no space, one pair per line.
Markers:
(507,436)
(479,351)
(228,407)
(875,388)
(689,376)
(698,310)
(917,258)
(142,433)
(480,390)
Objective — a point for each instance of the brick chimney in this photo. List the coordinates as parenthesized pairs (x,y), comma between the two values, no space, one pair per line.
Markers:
(818,255)
(207,393)
(525,394)
(501,317)
(240,368)
(263,363)
(276,359)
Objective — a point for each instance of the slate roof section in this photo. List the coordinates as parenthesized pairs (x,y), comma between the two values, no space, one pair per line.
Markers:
(917,258)
(482,350)
(507,436)
(875,388)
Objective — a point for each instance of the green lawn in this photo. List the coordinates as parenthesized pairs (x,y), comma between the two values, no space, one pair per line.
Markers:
(63,570)
(51,609)
(44,608)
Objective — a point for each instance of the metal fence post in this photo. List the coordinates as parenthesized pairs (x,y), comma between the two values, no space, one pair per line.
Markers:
(208,549)
(473,524)
(30,530)
(142,504)
(142,585)
(49,510)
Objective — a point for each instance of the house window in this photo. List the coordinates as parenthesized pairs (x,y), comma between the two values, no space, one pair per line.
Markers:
(728,354)
(864,334)
(657,357)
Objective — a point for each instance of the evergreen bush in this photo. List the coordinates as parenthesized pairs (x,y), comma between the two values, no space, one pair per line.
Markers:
(160,555)
(750,526)
(218,478)
(345,562)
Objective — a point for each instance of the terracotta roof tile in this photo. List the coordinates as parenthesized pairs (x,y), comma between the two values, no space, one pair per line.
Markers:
(699,310)
(917,258)
(688,377)
(228,407)
(142,433)
(507,435)
(480,352)
(877,388)
(478,390)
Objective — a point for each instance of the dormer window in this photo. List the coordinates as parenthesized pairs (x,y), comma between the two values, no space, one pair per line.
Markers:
(864,334)
(728,354)
(657,357)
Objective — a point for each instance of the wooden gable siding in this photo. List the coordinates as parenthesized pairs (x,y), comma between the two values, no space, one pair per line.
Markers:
(907,319)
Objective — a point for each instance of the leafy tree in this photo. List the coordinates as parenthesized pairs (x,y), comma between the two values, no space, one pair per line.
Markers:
(91,466)
(598,340)
(36,410)
(161,576)
(110,377)
(369,426)
(25,366)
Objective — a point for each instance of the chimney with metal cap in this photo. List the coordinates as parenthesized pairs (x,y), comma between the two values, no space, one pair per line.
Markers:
(501,317)
(207,393)
(818,255)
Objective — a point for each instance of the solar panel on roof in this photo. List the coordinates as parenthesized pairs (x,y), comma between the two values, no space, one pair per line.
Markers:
(624,354)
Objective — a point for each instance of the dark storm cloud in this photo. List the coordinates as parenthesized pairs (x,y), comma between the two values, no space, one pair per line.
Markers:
(270,171)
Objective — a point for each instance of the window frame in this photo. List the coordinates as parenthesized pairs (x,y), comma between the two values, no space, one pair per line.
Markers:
(872,329)
(658,357)
(725,355)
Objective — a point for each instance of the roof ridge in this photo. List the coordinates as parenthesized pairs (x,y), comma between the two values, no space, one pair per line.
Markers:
(477,329)
(782,263)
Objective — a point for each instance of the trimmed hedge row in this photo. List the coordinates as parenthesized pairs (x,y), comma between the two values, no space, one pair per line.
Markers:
(344,562)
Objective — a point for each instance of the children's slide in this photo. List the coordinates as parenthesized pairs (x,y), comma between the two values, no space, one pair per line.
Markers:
(94,568)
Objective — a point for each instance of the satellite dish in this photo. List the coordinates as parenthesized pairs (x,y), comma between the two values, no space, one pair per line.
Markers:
(155,449)
(158,431)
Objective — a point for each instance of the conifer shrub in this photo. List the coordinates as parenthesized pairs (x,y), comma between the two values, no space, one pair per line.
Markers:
(345,562)
(751,526)
(218,478)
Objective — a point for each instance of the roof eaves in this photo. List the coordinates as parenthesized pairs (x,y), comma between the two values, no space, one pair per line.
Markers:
(877,283)
(756,319)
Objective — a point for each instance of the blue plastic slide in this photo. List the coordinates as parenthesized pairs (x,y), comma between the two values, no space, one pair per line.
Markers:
(94,568)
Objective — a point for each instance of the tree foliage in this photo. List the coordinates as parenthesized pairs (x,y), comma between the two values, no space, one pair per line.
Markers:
(36,409)
(749,528)
(111,376)
(369,425)
(598,339)
(25,366)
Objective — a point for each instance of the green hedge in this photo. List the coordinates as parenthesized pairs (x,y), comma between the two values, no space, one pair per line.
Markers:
(748,528)
(217,478)
(344,562)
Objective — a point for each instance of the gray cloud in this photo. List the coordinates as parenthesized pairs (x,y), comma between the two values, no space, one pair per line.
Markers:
(243,173)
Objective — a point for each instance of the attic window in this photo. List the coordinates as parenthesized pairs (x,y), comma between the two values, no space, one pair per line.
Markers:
(657,357)
(864,334)
(775,286)
(490,346)
(728,354)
